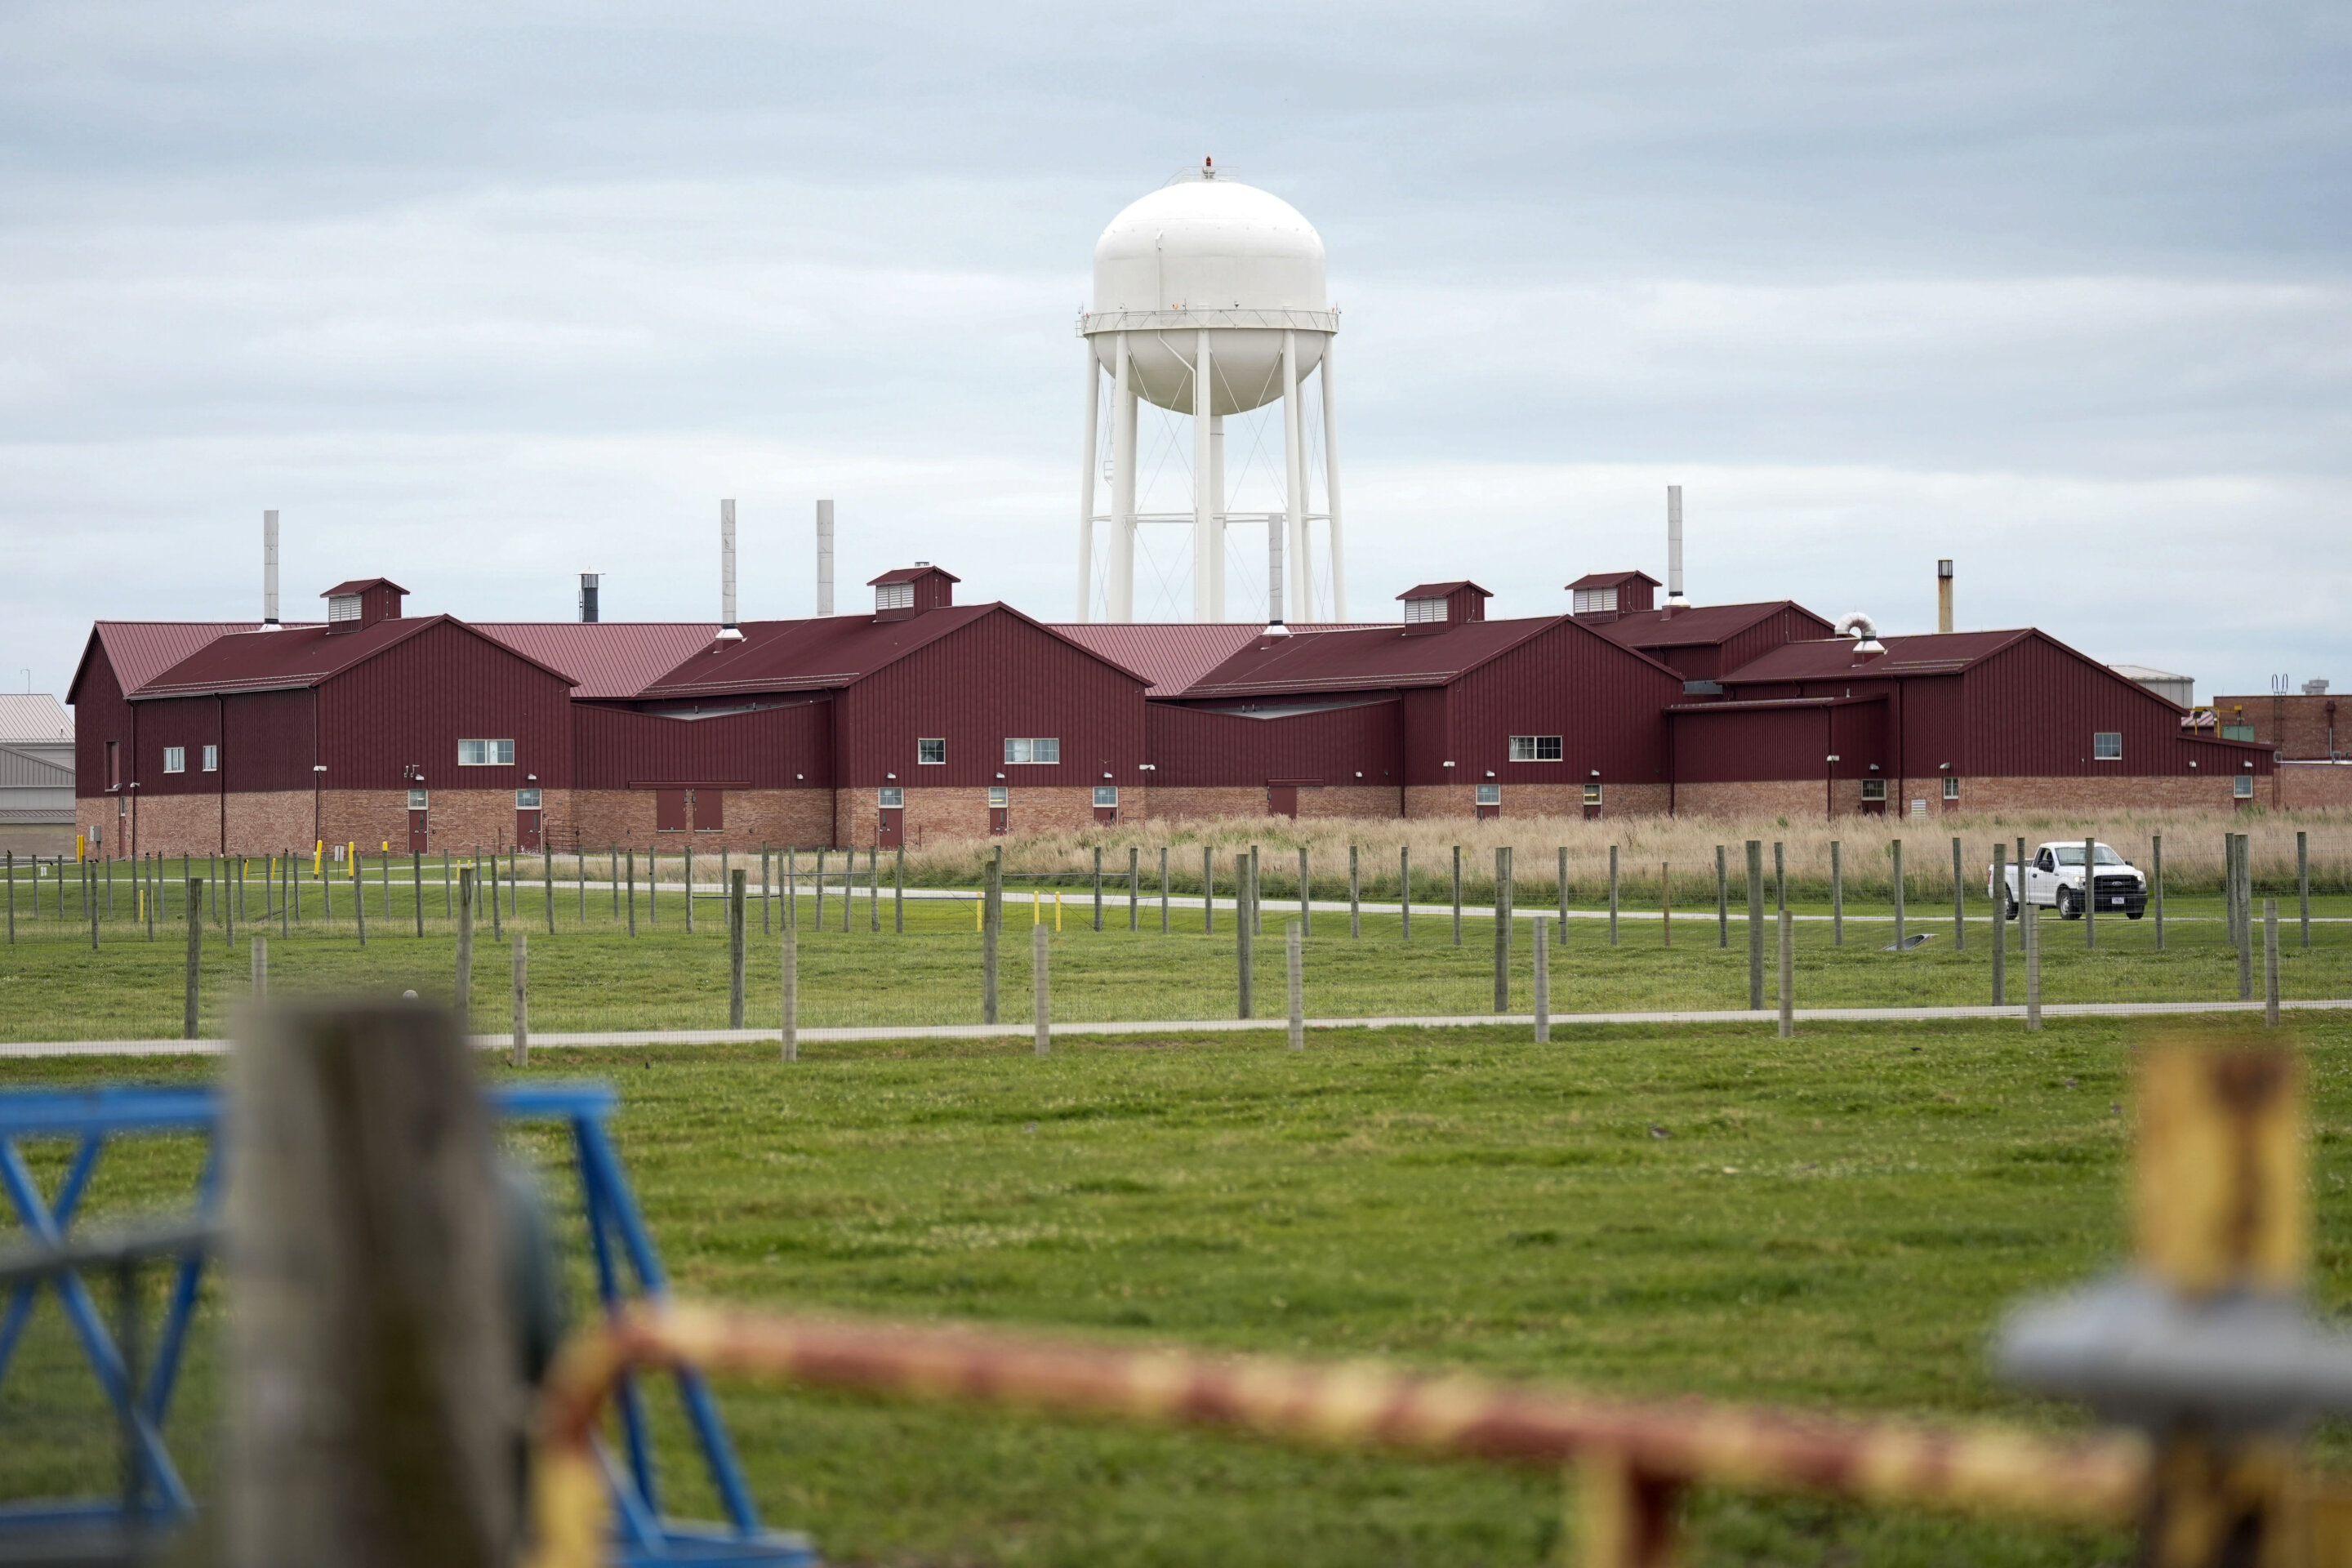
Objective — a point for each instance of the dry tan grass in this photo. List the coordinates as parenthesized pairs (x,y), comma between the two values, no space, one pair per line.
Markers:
(2192,850)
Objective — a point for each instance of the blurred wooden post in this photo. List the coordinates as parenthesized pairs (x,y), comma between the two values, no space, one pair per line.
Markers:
(466,896)
(1163,889)
(546,884)
(416,887)
(1559,887)
(897,893)
(1041,987)
(2245,917)
(375,1411)
(1306,910)
(1898,893)
(1458,895)
(2155,883)
(1756,925)
(2032,937)
(792,997)
(735,915)
(1837,894)
(633,890)
(1298,991)
(873,890)
(1625,1519)
(1543,983)
(1355,896)
(2302,883)
(1959,902)
(2090,892)
(1999,923)
(1404,890)
(1134,887)
(2270,962)
(1613,895)
(1257,894)
(1244,959)
(1722,900)
(767,876)
(1665,905)
(1788,945)
(1503,891)
(521,1040)
(685,863)
(261,985)
(1097,887)
(992,919)
(2019,856)
(359,897)
(1208,889)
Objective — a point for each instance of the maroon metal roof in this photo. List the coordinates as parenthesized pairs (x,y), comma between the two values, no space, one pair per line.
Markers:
(606,659)
(910,574)
(1946,653)
(1173,655)
(138,651)
(1440,590)
(1768,704)
(1612,579)
(829,652)
(287,660)
(361,586)
(1702,624)
(1382,658)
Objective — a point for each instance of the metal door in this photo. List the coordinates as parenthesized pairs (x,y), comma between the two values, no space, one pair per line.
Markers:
(709,810)
(419,839)
(1593,811)
(1000,819)
(1282,800)
(894,827)
(526,829)
(670,810)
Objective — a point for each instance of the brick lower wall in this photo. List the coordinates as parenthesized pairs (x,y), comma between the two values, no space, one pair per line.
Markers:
(2311,787)
(932,814)
(1317,803)
(1764,797)
(2091,792)
(599,818)
(1460,800)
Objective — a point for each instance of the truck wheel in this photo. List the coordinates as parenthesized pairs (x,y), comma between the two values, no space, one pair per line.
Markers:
(2069,908)
(2133,915)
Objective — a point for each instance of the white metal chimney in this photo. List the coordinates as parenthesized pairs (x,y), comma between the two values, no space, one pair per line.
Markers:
(1944,597)
(1675,600)
(1274,627)
(728,631)
(824,558)
(269,571)
(590,581)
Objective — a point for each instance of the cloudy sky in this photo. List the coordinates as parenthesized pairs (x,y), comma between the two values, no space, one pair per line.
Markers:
(481,295)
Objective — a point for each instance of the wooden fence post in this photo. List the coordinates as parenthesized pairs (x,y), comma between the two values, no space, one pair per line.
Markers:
(2090,892)
(1097,887)
(1756,925)
(2000,920)
(1837,894)
(260,984)
(2303,882)
(792,996)
(1244,958)
(633,890)
(1788,945)
(375,1407)
(1960,899)
(546,881)
(521,1040)
(1613,895)
(416,887)
(1897,847)
(1163,889)
(1297,991)
(2270,962)
(2030,933)
(1559,886)
(2155,883)
(1503,891)
(1134,886)
(1458,895)
(467,894)
(1208,889)
(1041,985)
(992,917)
(735,915)
(2245,917)
(1543,983)
(1404,889)
(1722,900)
(195,951)
(1355,897)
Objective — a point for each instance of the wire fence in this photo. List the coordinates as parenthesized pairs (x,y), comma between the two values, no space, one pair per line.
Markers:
(636,940)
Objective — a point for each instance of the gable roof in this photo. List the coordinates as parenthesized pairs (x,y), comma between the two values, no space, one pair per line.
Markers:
(138,651)
(1440,590)
(23,770)
(295,658)
(1173,655)
(909,575)
(1700,627)
(1379,658)
(1612,579)
(605,659)
(361,586)
(827,653)
(1832,658)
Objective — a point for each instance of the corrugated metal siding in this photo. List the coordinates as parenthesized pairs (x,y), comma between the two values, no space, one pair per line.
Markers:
(1786,625)
(1740,743)
(995,677)
(1605,702)
(192,723)
(100,714)
(413,702)
(2030,711)
(788,747)
(270,740)
(1199,746)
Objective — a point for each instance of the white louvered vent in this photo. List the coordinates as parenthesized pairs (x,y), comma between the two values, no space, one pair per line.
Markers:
(1590,601)
(1423,610)
(894,596)
(343,607)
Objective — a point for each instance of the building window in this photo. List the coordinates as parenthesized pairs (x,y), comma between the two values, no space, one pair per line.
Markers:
(1951,789)
(931,753)
(416,800)
(485,753)
(2107,746)
(1535,748)
(889,797)
(1106,794)
(175,759)
(1490,795)
(1591,601)
(1033,749)
(212,759)
(2237,732)
(2242,787)
(894,596)
(1873,789)
(999,797)
(526,800)
(1592,795)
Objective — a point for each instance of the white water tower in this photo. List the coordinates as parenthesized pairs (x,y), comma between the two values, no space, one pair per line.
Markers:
(1209,301)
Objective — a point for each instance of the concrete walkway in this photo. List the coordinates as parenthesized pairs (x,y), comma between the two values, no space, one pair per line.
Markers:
(627,1039)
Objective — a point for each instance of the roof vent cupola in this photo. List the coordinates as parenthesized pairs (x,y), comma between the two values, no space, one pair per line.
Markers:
(359,604)
(909,591)
(1434,607)
(1605,596)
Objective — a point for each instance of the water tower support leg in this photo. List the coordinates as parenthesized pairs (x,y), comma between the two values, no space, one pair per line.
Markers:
(1331,487)
(1204,504)
(1122,588)
(1300,598)
(1086,486)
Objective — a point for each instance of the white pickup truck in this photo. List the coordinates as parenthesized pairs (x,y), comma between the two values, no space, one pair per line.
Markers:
(2053,879)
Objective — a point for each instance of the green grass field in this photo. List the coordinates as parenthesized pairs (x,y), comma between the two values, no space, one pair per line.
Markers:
(1832,1221)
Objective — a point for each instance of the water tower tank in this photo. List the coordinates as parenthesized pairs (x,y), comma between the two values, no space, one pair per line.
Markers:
(1209,251)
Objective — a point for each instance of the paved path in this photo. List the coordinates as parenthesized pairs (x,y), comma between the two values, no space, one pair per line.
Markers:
(625,1039)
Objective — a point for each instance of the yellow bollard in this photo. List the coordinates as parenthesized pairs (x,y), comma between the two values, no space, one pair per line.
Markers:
(979,905)
(318,855)
(1057,910)
(352,854)
(1036,907)
(81,848)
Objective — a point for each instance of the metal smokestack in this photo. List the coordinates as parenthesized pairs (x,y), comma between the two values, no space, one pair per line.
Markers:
(824,558)
(726,629)
(1675,600)
(1274,627)
(269,571)
(589,582)
(1944,596)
